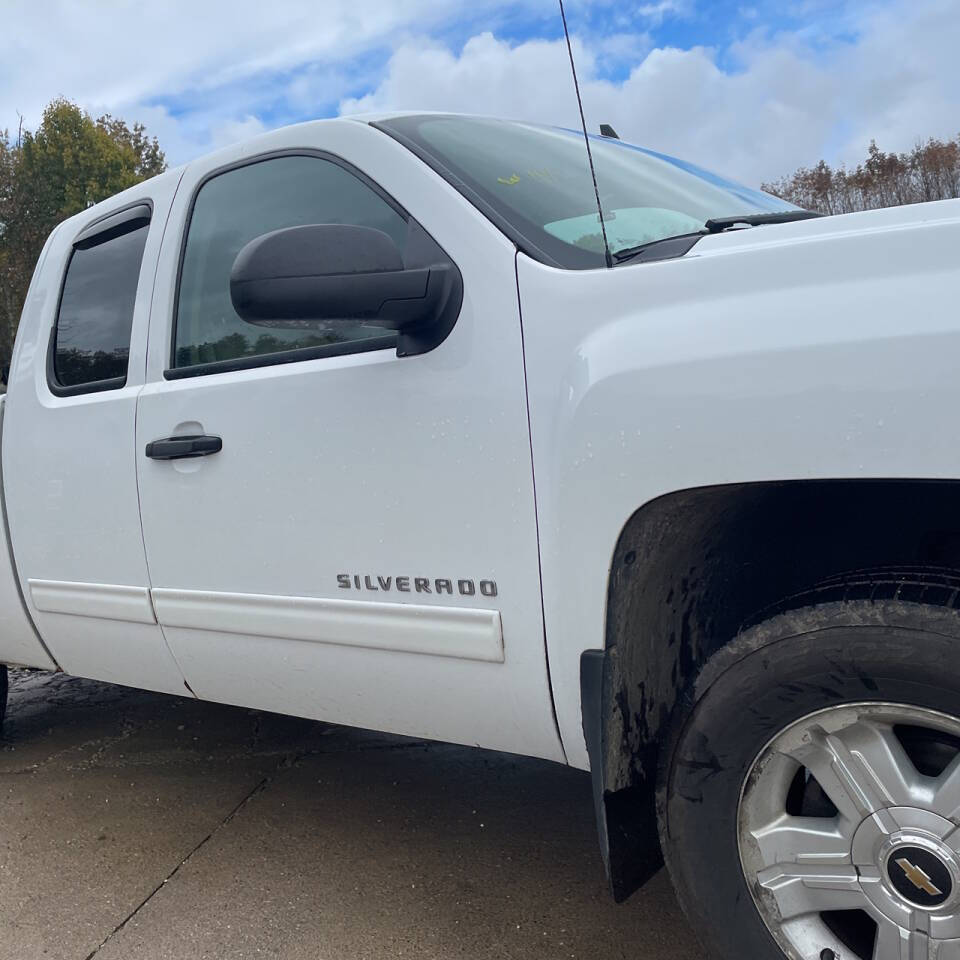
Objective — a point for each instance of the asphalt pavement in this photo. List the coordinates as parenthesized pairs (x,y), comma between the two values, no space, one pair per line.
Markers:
(136,825)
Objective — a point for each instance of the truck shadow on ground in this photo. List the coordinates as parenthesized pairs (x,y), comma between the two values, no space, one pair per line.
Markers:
(137,824)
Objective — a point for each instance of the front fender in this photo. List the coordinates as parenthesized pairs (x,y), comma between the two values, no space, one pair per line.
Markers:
(777,354)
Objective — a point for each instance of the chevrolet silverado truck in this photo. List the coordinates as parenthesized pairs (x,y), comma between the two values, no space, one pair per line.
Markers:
(376,421)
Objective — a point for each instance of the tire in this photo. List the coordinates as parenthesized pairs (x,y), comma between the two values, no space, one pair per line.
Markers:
(754,698)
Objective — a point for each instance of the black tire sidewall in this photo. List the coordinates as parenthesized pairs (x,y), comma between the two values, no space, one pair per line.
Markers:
(777,677)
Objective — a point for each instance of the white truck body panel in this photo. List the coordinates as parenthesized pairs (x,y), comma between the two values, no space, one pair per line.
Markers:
(780,353)
(70,482)
(19,642)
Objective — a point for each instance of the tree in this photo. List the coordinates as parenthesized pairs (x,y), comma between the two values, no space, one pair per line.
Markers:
(69,163)
(931,171)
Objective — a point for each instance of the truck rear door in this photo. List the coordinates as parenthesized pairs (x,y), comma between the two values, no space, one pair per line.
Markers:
(69,459)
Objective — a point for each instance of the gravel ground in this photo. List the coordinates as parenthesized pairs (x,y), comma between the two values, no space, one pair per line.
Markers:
(135,825)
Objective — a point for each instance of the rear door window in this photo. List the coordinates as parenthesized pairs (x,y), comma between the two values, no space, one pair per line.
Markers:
(91,339)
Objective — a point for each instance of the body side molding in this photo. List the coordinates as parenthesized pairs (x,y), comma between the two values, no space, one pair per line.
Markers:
(109,601)
(465,634)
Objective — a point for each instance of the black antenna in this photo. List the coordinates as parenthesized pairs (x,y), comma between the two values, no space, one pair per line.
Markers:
(586,139)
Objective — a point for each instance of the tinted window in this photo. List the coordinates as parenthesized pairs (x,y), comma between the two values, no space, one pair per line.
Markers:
(96,310)
(236,207)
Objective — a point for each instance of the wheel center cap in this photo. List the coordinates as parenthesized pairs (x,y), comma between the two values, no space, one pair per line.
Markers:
(909,861)
(919,876)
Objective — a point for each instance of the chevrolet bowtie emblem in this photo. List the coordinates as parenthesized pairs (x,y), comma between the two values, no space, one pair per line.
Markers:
(918,877)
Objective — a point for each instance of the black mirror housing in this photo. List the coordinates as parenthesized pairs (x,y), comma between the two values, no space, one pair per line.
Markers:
(331,272)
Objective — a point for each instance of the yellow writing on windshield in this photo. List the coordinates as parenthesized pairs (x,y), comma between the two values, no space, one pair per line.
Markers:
(544,173)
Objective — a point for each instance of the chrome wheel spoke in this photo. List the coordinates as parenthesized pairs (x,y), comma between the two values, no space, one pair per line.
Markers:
(801,889)
(946,791)
(805,840)
(845,777)
(895,943)
(885,768)
(946,949)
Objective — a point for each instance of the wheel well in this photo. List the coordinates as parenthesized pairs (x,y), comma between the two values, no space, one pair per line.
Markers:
(694,568)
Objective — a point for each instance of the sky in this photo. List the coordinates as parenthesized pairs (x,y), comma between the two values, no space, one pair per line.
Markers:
(750,90)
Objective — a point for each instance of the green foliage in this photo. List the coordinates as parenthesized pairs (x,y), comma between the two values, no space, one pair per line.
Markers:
(67,164)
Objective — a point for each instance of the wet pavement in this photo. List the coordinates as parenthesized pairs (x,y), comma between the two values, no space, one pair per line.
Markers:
(136,825)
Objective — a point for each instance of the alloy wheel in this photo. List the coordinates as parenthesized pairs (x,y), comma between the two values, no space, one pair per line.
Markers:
(849,838)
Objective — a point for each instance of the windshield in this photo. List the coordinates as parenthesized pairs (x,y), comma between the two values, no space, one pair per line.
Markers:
(534,182)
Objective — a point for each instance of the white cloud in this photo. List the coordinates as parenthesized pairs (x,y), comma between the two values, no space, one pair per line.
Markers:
(529,81)
(786,103)
(231,131)
(118,51)
(222,58)
(199,74)
(621,48)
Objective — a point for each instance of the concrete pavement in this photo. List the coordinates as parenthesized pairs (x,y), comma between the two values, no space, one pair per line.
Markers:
(134,825)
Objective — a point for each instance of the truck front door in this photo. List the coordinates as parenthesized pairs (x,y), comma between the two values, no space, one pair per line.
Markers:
(358,541)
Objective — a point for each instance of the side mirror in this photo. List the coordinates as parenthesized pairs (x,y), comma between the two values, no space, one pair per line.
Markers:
(337,272)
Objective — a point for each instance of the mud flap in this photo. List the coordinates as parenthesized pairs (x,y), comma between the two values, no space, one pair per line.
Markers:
(627,817)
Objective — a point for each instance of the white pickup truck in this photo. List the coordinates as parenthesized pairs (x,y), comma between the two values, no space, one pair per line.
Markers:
(356,421)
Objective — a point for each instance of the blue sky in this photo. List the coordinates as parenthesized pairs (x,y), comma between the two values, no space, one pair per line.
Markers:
(750,89)
(638,27)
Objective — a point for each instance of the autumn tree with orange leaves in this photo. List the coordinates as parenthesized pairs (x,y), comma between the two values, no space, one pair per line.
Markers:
(931,171)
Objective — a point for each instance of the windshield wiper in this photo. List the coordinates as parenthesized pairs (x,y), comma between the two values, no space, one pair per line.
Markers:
(719,224)
(669,247)
(665,248)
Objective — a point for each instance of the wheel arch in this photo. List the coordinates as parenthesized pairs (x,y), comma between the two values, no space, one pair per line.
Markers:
(694,568)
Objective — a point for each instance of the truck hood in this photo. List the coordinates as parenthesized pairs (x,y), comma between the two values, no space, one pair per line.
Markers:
(917,216)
